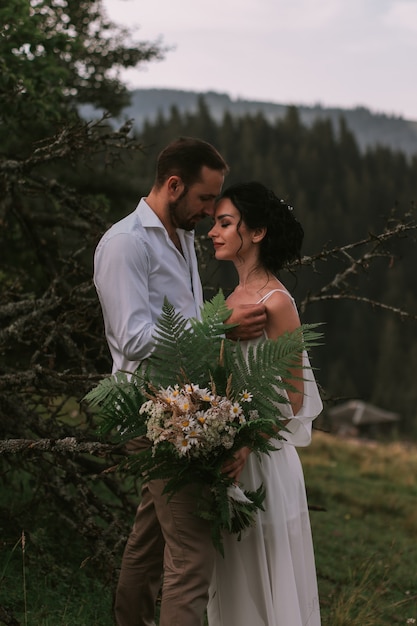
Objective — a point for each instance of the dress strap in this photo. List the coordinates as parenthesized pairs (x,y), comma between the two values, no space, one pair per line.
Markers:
(266,296)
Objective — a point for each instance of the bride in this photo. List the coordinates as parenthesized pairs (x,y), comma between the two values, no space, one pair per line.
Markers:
(268,578)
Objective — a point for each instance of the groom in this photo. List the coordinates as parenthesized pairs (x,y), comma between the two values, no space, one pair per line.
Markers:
(140,260)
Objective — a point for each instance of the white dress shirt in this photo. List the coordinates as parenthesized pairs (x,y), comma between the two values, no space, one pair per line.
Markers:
(136,265)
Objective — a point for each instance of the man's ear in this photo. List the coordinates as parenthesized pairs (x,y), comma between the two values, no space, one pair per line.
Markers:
(258,234)
(175,186)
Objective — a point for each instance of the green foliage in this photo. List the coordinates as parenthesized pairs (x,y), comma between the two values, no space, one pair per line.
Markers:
(37,588)
(119,398)
(55,54)
(197,353)
(190,346)
(262,365)
(364,538)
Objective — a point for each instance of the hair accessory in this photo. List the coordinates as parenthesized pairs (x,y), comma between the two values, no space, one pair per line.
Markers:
(289,207)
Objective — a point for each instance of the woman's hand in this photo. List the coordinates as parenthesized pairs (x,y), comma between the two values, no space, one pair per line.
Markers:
(234,466)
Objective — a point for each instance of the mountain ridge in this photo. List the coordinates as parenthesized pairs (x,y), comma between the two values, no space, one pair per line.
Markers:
(371,129)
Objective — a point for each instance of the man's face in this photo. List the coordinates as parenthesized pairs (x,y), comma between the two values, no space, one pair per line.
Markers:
(197,201)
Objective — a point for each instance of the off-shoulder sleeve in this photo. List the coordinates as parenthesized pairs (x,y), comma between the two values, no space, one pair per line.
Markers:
(299,426)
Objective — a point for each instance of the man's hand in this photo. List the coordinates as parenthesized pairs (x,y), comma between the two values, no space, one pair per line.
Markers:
(251,320)
(233,467)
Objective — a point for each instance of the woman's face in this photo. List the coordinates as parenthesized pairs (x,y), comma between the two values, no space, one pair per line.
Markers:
(231,237)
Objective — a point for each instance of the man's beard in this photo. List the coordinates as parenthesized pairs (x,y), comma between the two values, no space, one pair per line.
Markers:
(175,212)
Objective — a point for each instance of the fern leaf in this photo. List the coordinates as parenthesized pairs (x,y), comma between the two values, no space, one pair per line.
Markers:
(266,365)
(214,314)
(190,347)
(119,398)
(105,388)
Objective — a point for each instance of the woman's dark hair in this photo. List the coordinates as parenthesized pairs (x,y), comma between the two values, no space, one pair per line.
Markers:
(185,157)
(259,207)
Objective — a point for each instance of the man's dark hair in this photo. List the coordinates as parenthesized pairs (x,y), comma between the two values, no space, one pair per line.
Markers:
(185,157)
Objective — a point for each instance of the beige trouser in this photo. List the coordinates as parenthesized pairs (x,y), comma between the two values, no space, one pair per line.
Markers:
(166,537)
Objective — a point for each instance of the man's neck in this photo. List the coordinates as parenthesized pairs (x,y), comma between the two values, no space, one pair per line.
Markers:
(159,206)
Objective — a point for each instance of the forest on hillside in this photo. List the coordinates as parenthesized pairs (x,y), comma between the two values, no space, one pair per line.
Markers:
(370,128)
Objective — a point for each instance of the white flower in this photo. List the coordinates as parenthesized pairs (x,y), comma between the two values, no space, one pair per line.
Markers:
(187,423)
(176,415)
(146,407)
(246,396)
(215,400)
(183,403)
(201,418)
(204,394)
(193,436)
(183,446)
(170,394)
(235,409)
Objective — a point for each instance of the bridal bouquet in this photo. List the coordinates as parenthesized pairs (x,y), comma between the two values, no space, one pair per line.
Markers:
(197,399)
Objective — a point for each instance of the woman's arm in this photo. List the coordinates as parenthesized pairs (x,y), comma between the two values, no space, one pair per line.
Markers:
(282,317)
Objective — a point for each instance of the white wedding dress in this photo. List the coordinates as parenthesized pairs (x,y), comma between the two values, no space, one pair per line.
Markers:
(268,578)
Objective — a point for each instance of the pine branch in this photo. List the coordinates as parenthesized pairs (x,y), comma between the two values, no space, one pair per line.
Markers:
(37,447)
(357,298)
(81,137)
(374,247)
(399,228)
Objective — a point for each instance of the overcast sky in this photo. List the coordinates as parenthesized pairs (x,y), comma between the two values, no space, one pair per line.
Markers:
(343,53)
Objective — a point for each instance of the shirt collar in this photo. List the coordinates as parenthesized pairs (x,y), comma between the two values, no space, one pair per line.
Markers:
(149,219)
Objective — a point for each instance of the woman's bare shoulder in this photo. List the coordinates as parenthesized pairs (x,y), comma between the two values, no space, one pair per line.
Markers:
(282,314)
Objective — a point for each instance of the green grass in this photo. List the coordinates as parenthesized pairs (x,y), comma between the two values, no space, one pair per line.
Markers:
(47,585)
(366,539)
(365,542)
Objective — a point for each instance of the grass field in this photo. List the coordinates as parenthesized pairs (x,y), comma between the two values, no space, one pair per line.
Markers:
(366,539)
(364,519)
